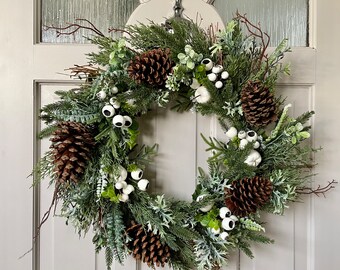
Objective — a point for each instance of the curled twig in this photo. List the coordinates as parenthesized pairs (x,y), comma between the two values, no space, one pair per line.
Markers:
(67,30)
(319,190)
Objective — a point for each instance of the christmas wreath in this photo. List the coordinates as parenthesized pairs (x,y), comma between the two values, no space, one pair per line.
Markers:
(96,164)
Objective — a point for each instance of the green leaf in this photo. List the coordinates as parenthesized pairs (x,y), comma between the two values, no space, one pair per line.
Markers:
(205,221)
(190,64)
(215,224)
(294,140)
(304,134)
(181,56)
(109,193)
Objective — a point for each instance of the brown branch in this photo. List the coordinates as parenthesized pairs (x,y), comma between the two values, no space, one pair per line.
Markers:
(256,31)
(118,30)
(67,29)
(48,212)
(319,190)
(100,218)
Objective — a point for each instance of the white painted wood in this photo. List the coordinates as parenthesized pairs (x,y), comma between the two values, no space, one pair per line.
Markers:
(16,139)
(307,238)
(327,95)
(157,11)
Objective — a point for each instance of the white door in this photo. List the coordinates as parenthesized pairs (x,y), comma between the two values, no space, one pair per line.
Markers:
(306,238)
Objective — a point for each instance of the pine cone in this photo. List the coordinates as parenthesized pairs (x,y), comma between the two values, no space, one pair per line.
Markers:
(248,194)
(71,144)
(147,247)
(151,67)
(258,104)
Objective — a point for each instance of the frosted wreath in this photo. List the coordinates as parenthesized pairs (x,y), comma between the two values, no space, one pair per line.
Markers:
(97,167)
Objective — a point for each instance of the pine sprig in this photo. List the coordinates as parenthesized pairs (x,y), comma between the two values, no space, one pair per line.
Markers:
(145,37)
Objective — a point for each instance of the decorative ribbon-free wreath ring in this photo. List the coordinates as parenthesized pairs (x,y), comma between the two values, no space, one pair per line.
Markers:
(97,167)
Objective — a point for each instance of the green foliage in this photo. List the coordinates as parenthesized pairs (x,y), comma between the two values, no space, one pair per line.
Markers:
(210,219)
(116,233)
(43,169)
(111,51)
(145,37)
(251,225)
(235,167)
(210,252)
(110,194)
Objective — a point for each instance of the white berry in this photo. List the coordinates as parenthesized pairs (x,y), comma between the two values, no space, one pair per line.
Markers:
(127,121)
(208,64)
(128,189)
(212,77)
(219,84)
(137,174)
(124,197)
(225,212)
(118,121)
(231,133)
(202,95)
(224,75)
(114,90)
(143,184)
(217,69)
(101,95)
(228,224)
(108,111)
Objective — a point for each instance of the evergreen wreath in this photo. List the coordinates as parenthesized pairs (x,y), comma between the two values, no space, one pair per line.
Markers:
(96,165)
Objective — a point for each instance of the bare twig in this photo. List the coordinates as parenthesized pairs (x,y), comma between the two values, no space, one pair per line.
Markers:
(48,212)
(100,218)
(67,30)
(319,190)
(84,71)
(256,31)
(118,30)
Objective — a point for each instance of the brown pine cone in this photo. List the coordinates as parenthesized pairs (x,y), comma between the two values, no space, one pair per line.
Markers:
(71,143)
(247,195)
(151,67)
(147,247)
(258,104)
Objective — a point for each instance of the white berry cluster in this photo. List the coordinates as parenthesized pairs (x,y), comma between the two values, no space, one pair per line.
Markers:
(110,109)
(228,220)
(246,137)
(125,188)
(215,74)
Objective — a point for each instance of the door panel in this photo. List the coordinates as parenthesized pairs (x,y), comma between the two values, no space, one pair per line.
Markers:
(307,237)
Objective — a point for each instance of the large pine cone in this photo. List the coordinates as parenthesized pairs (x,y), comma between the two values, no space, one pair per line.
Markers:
(258,104)
(151,67)
(71,144)
(248,194)
(147,247)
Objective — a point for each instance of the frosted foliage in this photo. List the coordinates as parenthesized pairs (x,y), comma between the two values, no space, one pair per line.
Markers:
(102,13)
(280,19)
